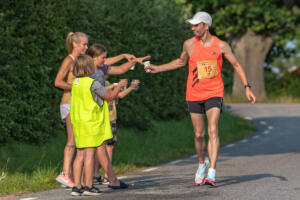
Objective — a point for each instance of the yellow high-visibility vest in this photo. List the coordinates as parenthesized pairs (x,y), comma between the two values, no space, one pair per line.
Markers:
(91,124)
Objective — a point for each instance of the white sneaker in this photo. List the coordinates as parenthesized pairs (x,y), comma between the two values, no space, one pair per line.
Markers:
(200,174)
(211,177)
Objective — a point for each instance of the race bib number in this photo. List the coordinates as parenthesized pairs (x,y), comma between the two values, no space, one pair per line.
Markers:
(207,69)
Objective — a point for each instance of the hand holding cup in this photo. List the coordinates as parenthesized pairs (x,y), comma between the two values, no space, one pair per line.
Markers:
(135,84)
(123,83)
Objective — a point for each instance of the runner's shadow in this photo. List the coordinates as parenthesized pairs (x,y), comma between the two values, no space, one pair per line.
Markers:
(247,178)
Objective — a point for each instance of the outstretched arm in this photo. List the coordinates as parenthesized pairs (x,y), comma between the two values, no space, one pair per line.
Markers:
(109,96)
(226,50)
(134,84)
(116,70)
(177,63)
(113,60)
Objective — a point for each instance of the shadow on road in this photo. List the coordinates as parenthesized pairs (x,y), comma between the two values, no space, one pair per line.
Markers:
(231,180)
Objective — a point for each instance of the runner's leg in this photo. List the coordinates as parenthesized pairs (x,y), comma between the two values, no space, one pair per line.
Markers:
(199,131)
(213,115)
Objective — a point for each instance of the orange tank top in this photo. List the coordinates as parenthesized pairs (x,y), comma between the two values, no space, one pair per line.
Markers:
(205,67)
(66,98)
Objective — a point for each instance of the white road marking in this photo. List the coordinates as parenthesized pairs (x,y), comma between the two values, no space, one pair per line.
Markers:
(122,177)
(262,122)
(266,132)
(29,198)
(248,118)
(256,137)
(244,141)
(230,145)
(150,169)
(175,162)
(270,127)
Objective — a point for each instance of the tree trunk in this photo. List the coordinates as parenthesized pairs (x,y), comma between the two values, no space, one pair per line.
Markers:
(251,51)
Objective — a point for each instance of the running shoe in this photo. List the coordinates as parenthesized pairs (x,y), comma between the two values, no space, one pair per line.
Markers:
(211,177)
(97,180)
(210,182)
(200,174)
(93,191)
(65,180)
(76,191)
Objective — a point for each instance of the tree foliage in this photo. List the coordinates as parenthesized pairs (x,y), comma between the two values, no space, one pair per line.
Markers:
(270,18)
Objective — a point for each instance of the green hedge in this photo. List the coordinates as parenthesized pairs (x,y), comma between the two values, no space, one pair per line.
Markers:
(32,37)
(33,33)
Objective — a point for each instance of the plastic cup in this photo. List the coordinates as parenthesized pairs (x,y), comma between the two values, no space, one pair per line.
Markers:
(132,67)
(146,66)
(135,88)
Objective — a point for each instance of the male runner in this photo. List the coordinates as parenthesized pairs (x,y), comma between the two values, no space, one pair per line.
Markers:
(205,89)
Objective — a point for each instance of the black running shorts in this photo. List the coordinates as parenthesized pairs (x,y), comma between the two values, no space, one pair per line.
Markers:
(202,106)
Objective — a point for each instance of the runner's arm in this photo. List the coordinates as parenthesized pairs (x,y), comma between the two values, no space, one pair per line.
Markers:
(227,52)
(177,63)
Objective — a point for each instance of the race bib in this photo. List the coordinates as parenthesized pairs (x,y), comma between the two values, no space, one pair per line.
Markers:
(207,69)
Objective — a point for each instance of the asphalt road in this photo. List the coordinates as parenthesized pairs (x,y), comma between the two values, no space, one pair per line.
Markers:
(265,165)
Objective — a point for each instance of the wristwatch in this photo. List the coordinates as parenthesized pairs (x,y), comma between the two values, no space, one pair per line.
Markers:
(248,85)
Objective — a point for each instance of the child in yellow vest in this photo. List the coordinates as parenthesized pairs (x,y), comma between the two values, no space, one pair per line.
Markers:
(90,120)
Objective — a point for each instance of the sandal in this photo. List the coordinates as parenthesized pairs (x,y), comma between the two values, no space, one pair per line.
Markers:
(105,180)
(121,186)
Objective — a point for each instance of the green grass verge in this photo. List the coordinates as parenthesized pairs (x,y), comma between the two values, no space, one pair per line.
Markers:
(27,168)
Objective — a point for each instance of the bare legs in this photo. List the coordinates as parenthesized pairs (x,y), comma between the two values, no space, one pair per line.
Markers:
(109,149)
(105,151)
(96,167)
(65,177)
(69,148)
(199,130)
(105,162)
(213,115)
(84,157)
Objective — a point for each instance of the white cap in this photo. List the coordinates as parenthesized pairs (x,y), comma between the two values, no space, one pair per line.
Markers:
(200,17)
